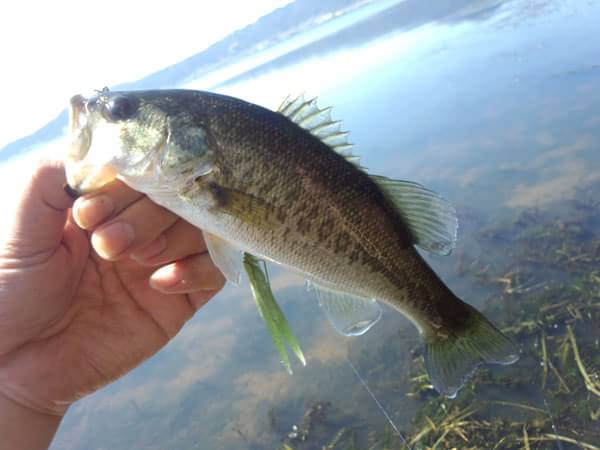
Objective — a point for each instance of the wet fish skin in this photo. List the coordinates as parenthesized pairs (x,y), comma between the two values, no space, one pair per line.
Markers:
(264,184)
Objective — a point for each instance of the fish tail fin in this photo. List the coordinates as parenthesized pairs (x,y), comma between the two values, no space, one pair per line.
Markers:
(452,357)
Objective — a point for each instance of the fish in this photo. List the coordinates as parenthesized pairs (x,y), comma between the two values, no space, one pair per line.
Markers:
(284,186)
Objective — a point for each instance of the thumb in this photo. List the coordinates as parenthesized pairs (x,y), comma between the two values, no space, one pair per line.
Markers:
(41,212)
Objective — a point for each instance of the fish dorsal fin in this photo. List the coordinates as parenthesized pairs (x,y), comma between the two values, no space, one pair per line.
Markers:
(431,219)
(308,115)
(225,256)
(349,315)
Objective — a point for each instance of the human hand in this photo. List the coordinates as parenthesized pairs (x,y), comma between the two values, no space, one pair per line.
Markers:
(72,321)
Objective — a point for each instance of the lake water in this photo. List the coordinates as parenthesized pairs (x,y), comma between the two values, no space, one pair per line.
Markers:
(496,107)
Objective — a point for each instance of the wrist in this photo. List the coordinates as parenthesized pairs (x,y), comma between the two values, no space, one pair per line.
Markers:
(23,428)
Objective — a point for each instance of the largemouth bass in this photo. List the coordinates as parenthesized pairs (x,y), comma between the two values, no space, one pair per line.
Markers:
(283,186)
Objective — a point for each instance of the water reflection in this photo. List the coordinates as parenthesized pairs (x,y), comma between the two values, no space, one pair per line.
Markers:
(501,115)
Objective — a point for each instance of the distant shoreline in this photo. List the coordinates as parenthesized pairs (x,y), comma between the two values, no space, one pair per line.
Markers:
(275,28)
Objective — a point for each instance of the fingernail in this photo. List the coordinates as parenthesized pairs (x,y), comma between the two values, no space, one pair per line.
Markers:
(151,251)
(113,239)
(165,278)
(89,212)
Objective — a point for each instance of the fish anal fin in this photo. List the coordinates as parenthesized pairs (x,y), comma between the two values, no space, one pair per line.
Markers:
(350,315)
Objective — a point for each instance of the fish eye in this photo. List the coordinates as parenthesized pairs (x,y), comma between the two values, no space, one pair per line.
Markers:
(119,108)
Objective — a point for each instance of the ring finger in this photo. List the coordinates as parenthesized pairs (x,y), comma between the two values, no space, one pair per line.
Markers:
(188,275)
(179,241)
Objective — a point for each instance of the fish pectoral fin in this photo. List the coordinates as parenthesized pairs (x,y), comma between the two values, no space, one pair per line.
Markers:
(430,219)
(349,315)
(225,256)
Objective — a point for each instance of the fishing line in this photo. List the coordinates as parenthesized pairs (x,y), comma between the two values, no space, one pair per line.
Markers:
(543,362)
(558,443)
(379,405)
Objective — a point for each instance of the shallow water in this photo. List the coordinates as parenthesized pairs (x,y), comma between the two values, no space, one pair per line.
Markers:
(497,108)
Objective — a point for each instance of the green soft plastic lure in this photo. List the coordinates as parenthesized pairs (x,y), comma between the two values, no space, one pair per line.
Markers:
(269,310)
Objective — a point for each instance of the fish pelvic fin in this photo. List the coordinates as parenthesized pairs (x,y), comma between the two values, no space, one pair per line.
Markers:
(452,358)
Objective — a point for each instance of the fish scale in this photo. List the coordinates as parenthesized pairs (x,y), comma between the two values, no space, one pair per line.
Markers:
(311,180)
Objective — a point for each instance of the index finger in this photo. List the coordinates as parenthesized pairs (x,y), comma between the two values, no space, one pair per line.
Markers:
(97,207)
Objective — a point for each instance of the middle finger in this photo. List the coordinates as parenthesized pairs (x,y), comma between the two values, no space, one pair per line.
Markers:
(92,210)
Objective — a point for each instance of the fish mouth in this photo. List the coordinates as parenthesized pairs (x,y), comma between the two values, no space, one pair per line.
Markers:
(82,175)
(78,144)
(78,106)
(79,132)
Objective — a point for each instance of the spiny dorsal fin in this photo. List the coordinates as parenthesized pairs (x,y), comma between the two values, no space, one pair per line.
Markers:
(318,122)
(431,219)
